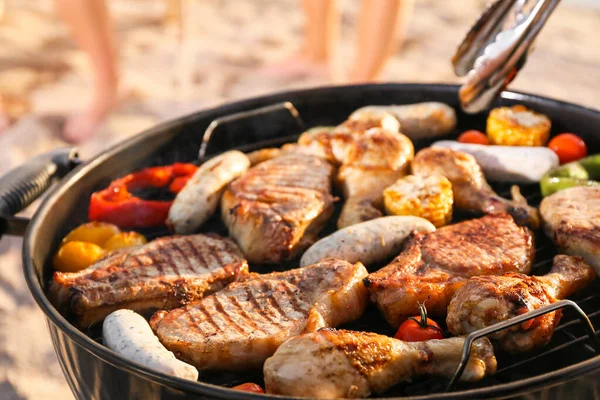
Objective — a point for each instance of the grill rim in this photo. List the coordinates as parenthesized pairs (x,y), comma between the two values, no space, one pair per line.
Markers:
(55,318)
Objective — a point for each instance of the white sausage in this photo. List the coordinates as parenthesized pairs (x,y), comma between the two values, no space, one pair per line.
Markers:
(258,156)
(521,164)
(417,121)
(200,197)
(368,242)
(128,334)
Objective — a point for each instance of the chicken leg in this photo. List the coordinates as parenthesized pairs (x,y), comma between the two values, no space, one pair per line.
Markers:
(371,154)
(486,300)
(333,363)
(471,190)
(434,266)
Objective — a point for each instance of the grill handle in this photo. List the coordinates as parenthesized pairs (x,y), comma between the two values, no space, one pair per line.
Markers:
(466,353)
(287,107)
(22,185)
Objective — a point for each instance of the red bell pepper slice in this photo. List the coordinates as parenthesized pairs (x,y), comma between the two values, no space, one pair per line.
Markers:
(117,205)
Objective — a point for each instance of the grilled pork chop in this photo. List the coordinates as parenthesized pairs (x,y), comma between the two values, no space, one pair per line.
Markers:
(486,300)
(278,207)
(242,325)
(434,266)
(471,190)
(163,274)
(572,220)
(333,363)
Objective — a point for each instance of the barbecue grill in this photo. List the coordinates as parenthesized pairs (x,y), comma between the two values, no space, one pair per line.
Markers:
(568,367)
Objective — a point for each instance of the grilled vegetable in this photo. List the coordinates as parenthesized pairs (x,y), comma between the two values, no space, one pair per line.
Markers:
(417,121)
(585,172)
(474,137)
(74,256)
(419,328)
(368,242)
(508,163)
(117,205)
(123,240)
(517,126)
(568,147)
(92,232)
(249,387)
(199,199)
(426,197)
(89,242)
(127,333)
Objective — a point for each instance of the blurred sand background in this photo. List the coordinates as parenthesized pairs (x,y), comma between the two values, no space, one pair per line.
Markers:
(44,77)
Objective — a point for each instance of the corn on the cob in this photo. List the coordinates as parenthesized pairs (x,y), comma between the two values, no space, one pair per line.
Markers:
(517,126)
(426,197)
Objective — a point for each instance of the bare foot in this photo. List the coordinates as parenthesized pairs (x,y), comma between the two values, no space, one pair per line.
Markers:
(295,67)
(84,125)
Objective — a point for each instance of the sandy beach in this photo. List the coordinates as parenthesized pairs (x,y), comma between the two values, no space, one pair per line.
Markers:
(44,78)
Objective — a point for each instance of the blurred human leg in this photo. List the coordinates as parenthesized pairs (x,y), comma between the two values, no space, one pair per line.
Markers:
(4,120)
(90,23)
(382,24)
(320,35)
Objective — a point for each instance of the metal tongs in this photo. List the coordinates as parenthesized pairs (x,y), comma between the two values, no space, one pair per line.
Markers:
(496,48)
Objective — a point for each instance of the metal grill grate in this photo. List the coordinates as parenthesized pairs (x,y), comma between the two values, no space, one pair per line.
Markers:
(570,343)
(568,346)
(569,335)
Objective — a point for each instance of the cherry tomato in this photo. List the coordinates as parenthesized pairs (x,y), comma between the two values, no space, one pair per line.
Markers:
(249,387)
(419,328)
(474,137)
(568,147)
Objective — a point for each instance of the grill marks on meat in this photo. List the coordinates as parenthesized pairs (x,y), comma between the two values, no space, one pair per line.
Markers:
(215,332)
(486,300)
(242,325)
(278,207)
(163,274)
(434,266)
(333,363)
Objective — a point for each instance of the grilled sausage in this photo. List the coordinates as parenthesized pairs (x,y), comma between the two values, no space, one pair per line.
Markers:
(417,121)
(128,334)
(508,163)
(261,155)
(200,197)
(368,242)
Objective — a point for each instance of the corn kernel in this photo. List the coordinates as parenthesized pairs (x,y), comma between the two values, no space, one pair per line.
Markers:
(426,197)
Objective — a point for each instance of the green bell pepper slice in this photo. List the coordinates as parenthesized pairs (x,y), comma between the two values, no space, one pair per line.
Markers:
(585,172)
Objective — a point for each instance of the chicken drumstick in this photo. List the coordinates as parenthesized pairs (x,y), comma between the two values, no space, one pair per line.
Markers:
(486,300)
(471,190)
(333,363)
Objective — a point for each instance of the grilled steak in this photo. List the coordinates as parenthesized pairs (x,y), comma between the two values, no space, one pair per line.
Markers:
(278,207)
(434,266)
(163,274)
(572,220)
(242,325)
